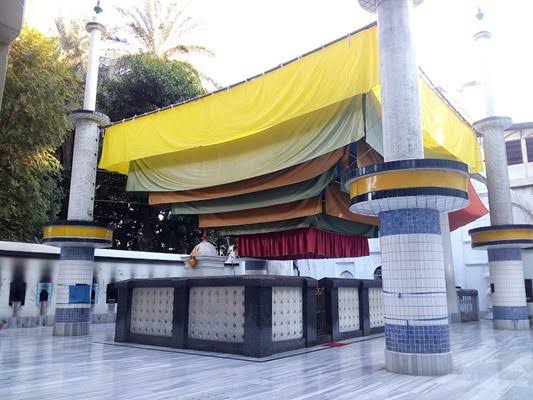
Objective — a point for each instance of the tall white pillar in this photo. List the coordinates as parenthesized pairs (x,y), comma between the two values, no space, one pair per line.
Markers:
(400,102)
(400,192)
(503,239)
(78,236)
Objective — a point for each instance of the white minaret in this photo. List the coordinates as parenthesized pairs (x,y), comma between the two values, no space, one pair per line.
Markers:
(78,236)
(503,239)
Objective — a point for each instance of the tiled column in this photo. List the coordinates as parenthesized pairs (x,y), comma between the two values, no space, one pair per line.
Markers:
(449,270)
(503,239)
(409,196)
(78,236)
(416,314)
(408,193)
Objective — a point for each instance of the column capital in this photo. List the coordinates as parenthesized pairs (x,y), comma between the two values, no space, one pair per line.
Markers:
(98,117)
(371,5)
(492,125)
(93,25)
(74,233)
(417,183)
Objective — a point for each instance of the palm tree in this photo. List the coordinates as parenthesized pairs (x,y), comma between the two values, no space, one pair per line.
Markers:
(158,27)
(74,43)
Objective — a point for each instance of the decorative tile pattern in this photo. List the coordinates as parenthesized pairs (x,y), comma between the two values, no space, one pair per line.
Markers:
(349,309)
(376,307)
(509,254)
(510,313)
(217,313)
(417,339)
(73,314)
(152,311)
(408,221)
(287,313)
(77,253)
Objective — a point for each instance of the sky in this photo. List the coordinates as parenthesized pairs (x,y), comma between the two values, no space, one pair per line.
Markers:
(252,36)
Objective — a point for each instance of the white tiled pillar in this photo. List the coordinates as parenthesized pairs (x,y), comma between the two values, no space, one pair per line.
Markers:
(503,239)
(414,288)
(79,236)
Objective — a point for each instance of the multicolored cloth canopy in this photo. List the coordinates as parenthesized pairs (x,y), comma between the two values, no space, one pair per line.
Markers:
(264,156)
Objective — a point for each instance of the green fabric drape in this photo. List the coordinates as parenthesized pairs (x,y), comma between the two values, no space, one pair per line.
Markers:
(321,221)
(284,194)
(284,145)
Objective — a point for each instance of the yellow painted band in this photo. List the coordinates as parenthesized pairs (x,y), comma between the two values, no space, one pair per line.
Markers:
(388,180)
(502,234)
(77,231)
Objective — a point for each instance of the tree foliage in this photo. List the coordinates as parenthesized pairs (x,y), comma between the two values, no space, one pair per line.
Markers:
(40,89)
(158,28)
(143,83)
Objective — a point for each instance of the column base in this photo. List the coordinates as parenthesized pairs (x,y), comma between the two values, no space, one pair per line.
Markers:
(418,364)
(71,328)
(511,325)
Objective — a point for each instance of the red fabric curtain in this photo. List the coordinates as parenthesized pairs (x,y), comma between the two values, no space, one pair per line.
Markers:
(302,243)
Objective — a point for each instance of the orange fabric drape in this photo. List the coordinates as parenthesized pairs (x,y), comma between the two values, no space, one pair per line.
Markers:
(288,176)
(366,155)
(337,204)
(476,209)
(295,209)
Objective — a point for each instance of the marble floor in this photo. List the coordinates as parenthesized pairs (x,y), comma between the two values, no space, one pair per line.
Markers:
(489,365)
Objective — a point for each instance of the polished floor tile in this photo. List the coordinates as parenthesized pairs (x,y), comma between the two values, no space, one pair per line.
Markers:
(489,365)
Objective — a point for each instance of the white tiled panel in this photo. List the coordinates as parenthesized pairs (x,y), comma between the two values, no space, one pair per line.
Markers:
(287,313)
(217,313)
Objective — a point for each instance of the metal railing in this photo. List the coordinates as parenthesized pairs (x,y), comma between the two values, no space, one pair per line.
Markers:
(468,304)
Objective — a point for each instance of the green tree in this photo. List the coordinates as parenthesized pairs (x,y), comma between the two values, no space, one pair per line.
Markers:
(158,28)
(40,90)
(143,83)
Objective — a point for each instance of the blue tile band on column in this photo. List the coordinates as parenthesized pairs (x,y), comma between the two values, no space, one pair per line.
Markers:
(430,339)
(510,313)
(256,265)
(77,253)
(407,221)
(72,315)
(504,254)
(79,294)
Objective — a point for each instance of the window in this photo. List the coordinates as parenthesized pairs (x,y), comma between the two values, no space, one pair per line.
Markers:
(347,274)
(514,152)
(377,273)
(529,149)
(529,289)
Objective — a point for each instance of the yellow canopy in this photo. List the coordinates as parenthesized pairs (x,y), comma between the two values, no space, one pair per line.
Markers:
(294,92)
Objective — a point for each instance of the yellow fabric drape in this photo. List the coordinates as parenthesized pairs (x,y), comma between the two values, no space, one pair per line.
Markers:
(202,129)
(337,72)
(284,145)
(446,134)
